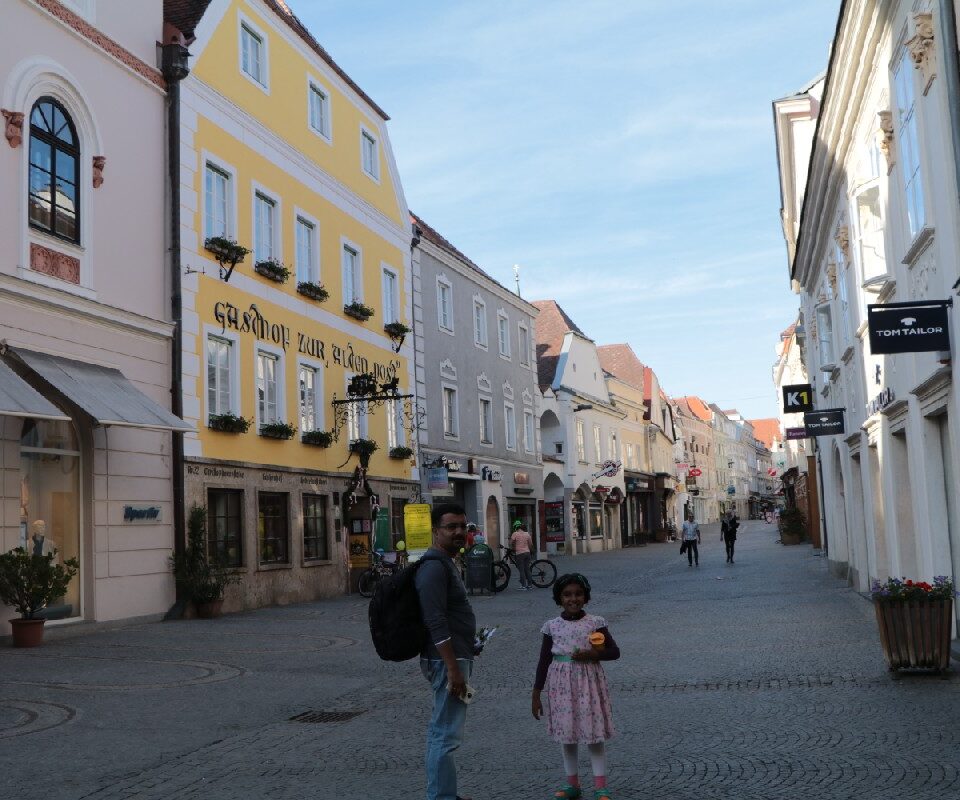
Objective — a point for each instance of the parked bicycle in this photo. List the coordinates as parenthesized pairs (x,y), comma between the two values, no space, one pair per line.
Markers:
(382,567)
(543,572)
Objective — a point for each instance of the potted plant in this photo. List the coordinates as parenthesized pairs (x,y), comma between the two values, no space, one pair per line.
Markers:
(397,331)
(793,526)
(364,448)
(914,619)
(202,579)
(317,438)
(227,252)
(29,583)
(228,423)
(272,269)
(358,310)
(277,430)
(400,452)
(314,291)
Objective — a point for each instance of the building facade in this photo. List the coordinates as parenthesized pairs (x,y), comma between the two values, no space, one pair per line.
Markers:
(480,442)
(697,467)
(85,327)
(297,366)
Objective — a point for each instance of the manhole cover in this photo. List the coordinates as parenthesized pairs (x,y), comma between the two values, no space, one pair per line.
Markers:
(326,717)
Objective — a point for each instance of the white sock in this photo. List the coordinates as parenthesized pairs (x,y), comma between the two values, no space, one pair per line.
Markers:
(598,759)
(570,759)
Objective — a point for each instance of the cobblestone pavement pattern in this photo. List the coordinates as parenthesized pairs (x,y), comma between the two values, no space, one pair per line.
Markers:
(759,680)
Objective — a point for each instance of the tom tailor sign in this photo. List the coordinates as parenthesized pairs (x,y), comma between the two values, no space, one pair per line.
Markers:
(909,327)
(826,422)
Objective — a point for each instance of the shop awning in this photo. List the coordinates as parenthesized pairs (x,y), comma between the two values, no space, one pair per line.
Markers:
(19,399)
(102,392)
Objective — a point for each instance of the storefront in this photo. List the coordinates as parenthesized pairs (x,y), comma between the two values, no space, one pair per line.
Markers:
(637,514)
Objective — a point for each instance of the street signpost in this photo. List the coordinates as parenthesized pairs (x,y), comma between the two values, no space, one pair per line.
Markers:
(825,422)
(918,327)
(797,398)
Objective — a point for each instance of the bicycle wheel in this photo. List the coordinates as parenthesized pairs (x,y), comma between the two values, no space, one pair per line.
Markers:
(501,576)
(367,582)
(543,573)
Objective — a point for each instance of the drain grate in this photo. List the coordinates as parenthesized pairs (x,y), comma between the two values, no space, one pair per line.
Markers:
(326,717)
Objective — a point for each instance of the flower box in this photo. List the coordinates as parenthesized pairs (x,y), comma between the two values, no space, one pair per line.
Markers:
(358,310)
(312,290)
(914,620)
(272,270)
(400,452)
(317,438)
(277,430)
(226,251)
(396,330)
(228,423)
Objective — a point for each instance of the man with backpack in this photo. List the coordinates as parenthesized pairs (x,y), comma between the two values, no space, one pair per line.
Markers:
(447,655)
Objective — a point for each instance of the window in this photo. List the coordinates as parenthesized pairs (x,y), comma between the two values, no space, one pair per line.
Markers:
(523,343)
(581,444)
(357,423)
(252,54)
(307,381)
(54,171)
(596,444)
(842,295)
(613,451)
(444,306)
(907,142)
(391,296)
(397,505)
(630,455)
(486,420)
(272,527)
(315,546)
(825,336)
(510,424)
(480,323)
(351,275)
(219,375)
(503,335)
(216,202)
(528,431)
(264,227)
(451,421)
(395,433)
(369,155)
(306,251)
(319,111)
(225,526)
(268,390)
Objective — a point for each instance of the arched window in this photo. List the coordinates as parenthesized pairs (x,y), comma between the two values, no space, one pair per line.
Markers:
(54,171)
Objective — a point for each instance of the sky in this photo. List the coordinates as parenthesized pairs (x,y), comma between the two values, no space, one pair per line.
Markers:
(622,153)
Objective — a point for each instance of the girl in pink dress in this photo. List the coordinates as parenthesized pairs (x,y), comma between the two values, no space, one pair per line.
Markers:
(578,701)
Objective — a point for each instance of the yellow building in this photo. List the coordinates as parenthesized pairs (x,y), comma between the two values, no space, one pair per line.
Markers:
(284,155)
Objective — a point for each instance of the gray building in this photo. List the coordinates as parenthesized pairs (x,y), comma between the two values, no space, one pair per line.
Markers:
(477,382)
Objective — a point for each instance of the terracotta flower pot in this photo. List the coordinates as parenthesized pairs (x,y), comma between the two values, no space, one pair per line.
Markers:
(27,632)
(209,610)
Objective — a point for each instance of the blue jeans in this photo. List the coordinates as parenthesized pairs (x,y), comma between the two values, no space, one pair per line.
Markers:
(445,731)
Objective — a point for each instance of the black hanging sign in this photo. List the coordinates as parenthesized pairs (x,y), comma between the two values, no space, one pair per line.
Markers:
(918,327)
(825,422)
(797,397)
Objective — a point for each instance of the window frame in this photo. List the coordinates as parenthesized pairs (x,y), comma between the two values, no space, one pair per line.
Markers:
(510,430)
(529,432)
(480,341)
(324,534)
(212,546)
(357,272)
(597,439)
(447,326)
(317,368)
(523,344)
(55,145)
(261,531)
(276,354)
(486,425)
(503,335)
(908,144)
(272,199)
(451,421)
(218,164)
(365,134)
(245,23)
(316,87)
(394,296)
(396,433)
(825,311)
(581,441)
(234,368)
(358,415)
(302,218)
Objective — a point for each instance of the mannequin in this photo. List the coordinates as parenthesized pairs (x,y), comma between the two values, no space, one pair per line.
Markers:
(40,544)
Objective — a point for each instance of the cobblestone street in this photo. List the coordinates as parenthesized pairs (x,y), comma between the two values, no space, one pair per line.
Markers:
(763,679)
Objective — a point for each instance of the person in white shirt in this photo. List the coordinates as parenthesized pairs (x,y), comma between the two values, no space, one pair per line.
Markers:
(691,538)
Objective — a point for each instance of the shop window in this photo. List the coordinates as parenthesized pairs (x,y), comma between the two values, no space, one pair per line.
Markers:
(315,544)
(273,527)
(54,171)
(396,519)
(596,521)
(225,526)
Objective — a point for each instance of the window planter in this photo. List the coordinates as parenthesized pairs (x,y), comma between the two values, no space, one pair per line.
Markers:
(397,331)
(400,452)
(314,291)
(277,430)
(272,270)
(364,448)
(228,423)
(227,253)
(358,310)
(317,438)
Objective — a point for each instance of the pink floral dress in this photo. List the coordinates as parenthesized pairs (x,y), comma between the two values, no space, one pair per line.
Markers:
(578,701)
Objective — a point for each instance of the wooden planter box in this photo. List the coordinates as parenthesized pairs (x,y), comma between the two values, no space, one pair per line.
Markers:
(790,538)
(916,633)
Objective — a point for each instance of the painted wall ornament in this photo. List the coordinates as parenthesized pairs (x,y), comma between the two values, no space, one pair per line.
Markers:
(923,49)
(99,163)
(14,127)
(886,138)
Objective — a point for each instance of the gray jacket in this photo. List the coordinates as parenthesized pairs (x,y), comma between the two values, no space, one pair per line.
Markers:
(444,606)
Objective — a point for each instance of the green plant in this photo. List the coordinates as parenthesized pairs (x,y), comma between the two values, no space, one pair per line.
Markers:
(277,430)
(363,447)
(396,330)
(227,252)
(793,523)
(201,578)
(30,582)
(358,310)
(400,452)
(228,423)
(902,589)
(272,269)
(317,438)
(315,291)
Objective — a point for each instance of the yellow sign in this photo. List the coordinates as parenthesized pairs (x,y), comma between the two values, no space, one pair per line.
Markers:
(417,529)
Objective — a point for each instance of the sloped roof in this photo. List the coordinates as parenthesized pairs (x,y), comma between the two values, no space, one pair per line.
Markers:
(552,325)
(697,407)
(184,15)
(767,430)
(621,362)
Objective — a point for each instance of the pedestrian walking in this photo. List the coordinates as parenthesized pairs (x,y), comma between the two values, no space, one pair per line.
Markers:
(578,701)
(521,542)
(691,538)
(728,533)
(447,657)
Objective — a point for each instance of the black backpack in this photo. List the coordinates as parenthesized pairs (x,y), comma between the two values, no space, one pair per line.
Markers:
(396,625)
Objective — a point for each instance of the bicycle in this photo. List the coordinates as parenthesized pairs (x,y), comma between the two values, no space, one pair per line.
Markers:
(380,569)
(543,572)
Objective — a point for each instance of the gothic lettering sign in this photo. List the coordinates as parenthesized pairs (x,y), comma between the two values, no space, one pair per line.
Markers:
(918,327)
(826,422)
(797,397)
